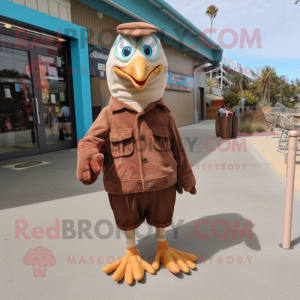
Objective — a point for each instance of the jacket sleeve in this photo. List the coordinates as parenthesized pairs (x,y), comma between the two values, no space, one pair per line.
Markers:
(185,175)
(91,144)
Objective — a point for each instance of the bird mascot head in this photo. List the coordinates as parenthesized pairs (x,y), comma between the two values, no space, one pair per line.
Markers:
(137,65)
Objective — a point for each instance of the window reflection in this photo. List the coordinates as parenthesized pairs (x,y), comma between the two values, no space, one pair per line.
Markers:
(17,129)
(53,84)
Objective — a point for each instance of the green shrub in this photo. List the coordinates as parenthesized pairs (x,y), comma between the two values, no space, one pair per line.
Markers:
(288,104)
(252,126)
(253,116)
(246,126)
(231,99)
(235,89)
(250,99)
(259,127)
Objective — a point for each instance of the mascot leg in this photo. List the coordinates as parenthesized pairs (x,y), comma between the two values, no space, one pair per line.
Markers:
(132,266)
(174,260)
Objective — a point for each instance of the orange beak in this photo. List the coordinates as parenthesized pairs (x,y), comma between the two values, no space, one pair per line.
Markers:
(139,71)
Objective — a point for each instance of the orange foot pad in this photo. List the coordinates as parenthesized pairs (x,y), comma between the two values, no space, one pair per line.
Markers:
(174,260)
(132,266)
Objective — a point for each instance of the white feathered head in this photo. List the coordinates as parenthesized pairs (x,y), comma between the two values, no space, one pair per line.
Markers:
(137,68)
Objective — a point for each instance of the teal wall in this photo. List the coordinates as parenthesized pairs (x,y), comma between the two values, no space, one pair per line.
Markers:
(79,56)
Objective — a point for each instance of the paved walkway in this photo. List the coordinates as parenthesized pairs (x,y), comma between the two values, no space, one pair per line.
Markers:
(234,225)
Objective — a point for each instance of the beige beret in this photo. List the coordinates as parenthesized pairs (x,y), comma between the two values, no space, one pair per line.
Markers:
(136,29)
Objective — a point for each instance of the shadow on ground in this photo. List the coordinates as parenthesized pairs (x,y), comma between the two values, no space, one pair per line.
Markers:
(186,238)
(295,241)
(207,236)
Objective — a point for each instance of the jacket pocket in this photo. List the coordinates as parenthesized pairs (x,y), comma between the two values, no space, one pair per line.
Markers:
(121,142)
(161,139)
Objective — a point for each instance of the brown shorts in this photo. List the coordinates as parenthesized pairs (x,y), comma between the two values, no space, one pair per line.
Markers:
(130,210)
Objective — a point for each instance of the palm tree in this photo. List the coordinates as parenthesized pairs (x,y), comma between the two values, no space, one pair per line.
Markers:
(211,82)
(264,83)
(211,11)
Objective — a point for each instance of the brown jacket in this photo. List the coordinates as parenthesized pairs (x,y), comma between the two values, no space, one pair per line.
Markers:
(143,151)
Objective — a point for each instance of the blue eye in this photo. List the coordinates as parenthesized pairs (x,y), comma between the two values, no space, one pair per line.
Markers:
(126,51)
(124,47)
(150,46)
(147,50)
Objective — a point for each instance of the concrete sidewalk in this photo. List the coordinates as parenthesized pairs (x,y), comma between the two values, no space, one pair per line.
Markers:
(234,225)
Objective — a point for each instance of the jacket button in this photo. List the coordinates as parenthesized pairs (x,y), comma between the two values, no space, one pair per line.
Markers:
(145,160)
(143,138)
(149,184)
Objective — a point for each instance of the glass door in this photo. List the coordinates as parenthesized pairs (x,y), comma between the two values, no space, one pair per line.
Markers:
(52,94)
(18,126)
(36,98)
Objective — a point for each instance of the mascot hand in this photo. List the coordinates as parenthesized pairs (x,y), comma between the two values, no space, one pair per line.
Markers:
(91,169)
(190,189)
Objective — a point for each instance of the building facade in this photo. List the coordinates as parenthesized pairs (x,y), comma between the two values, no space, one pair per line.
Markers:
(53,55)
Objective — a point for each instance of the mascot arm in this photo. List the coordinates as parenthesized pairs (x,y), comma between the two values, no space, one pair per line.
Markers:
(185,176)
(89,156)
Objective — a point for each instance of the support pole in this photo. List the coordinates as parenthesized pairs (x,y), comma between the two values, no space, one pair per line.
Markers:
(195,98)
(221,76)
(289,193)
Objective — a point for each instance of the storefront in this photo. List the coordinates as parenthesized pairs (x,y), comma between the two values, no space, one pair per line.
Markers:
(38,72)
(52,70)
(34,87)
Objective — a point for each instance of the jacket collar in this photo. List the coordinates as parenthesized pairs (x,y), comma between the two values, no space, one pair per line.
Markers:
(116,105)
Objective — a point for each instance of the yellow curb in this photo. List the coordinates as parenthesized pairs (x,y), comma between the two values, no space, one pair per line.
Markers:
(268,149)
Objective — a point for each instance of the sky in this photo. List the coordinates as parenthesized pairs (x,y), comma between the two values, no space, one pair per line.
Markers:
(277,23)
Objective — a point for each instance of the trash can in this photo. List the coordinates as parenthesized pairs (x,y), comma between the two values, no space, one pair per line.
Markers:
(218,124)
(226,126)
(235,125)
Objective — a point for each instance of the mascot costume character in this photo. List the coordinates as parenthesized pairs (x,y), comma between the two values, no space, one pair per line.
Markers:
(137,145)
